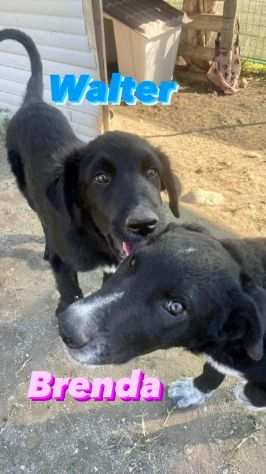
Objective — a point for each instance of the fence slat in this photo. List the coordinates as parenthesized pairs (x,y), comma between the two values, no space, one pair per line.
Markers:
(196,52)
(206,22)
(230,7)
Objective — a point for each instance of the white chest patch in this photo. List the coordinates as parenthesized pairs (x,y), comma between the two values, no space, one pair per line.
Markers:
(109,269)
(224,369)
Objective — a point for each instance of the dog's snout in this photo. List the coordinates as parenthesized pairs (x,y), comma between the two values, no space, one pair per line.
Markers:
(142,222)
(70,342)
(70,331)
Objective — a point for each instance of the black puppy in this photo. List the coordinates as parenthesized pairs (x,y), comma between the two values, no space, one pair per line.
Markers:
(96,202)
(186,289)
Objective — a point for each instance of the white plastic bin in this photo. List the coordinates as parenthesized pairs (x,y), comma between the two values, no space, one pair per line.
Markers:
(147,37)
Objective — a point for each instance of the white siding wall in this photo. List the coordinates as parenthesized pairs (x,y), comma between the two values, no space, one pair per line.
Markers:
(66,44)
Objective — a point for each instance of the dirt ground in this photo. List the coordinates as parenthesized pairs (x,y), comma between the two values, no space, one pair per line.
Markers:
(217,144)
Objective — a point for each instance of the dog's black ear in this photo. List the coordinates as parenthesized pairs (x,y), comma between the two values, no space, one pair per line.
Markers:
(247,318)
(63,191)
(258,296)
(169,182)
(71,182)
(54,193)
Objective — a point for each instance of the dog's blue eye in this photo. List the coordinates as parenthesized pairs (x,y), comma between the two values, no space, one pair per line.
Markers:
(102,178)
(174,308)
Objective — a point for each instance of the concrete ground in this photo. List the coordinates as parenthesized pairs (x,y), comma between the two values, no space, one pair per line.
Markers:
(72,437)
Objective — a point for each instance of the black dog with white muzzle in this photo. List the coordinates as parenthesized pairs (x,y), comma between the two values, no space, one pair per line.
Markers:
(184,289)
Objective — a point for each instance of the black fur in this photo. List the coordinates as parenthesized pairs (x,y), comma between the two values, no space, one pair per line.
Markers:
(85,222)
(17,169)
(220,289)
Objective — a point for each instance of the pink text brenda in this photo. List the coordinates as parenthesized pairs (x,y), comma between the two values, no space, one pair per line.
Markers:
(44,386)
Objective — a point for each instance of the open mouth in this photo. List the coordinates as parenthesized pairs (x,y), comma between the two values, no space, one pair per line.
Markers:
(121,249)
(127,249)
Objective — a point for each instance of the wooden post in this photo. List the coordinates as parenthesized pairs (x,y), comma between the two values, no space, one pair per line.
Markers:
(230,8)
(97,11)
(197,42)
(197,36)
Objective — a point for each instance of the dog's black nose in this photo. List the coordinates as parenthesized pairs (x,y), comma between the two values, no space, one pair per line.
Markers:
(142,222)
(69,331)
(70,342)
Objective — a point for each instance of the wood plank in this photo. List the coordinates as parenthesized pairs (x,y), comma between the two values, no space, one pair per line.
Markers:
(56,40)
(15,98)
(69,8)
(50,67)
(87,138)
(147,17)
(85,118)
(59,39)
(88,22)
(82,59)
(85,130)
(97,10)
(44,23)
(191,76)
(13,101)
(206,22)
(196,52)
(230,9)
(19,78)
(9,109)
(12,86)
(17,75)
(84,108)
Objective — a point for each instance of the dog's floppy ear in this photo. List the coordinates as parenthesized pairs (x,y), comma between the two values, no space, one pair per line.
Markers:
(169,182)
(63,192)
(255,340)
(55,195)
(246,319)
(71,182)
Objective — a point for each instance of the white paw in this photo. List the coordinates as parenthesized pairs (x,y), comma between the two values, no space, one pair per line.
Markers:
(185,394)
(242,398)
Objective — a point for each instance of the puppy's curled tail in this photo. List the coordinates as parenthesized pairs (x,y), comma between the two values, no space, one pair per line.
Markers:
(34,91)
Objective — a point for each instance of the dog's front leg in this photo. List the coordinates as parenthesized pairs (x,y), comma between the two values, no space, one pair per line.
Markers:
(192,392)
(252,395)
(108,272)
(66,282)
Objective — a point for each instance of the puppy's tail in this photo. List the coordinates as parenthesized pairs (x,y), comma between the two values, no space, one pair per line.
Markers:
(34,91)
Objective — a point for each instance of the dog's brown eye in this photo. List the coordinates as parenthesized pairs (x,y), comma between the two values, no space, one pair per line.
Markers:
(102,178)
(152,172)
(174,308)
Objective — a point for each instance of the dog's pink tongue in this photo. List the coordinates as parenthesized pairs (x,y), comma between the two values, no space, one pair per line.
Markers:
(126,248)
